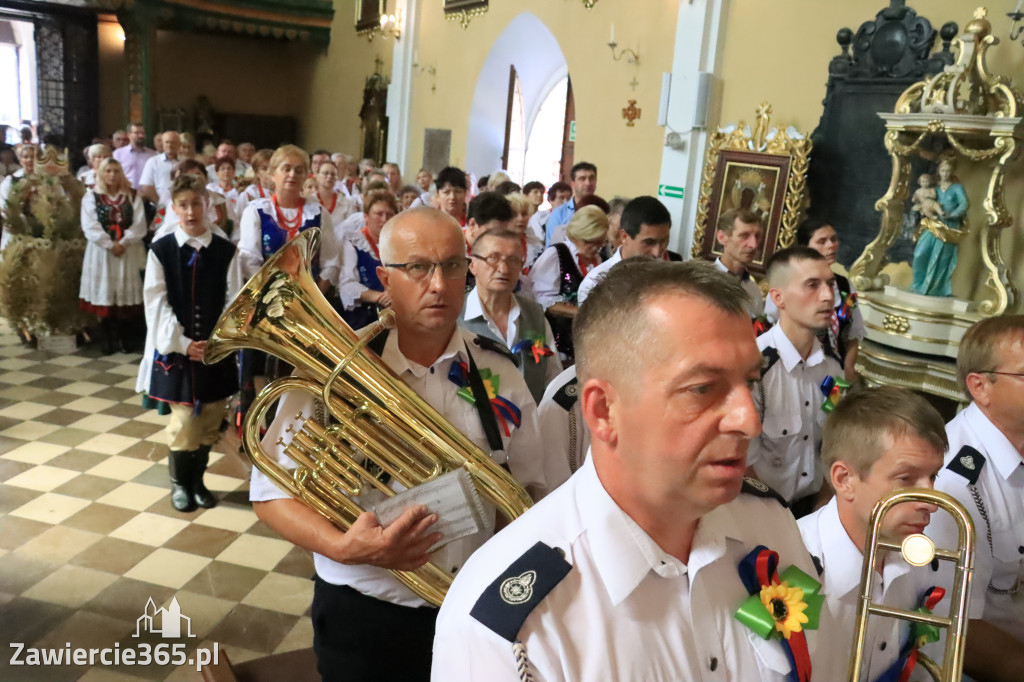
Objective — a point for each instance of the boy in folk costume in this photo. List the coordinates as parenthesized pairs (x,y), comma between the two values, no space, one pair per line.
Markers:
(191,275)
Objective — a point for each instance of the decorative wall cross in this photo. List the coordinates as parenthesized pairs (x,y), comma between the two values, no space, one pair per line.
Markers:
(631,113)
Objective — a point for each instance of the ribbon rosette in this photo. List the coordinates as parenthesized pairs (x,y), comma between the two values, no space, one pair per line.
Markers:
(847,306)
(535,346)
(781,606)
(504,409)
(761,325)
(833,388)
(920,634)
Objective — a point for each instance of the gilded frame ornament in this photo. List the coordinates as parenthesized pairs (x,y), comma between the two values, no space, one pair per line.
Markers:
(779,157)
(463,11)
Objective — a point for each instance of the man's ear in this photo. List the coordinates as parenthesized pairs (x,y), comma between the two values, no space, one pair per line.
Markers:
(844,480)
(384,275)
(720,237)
(776,295)
(599,402)
(979,387)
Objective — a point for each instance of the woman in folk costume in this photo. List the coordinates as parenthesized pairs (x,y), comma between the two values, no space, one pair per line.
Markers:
(556,276)
(265,226)
(359,289)
(114,223)
(191,276)
(261,185)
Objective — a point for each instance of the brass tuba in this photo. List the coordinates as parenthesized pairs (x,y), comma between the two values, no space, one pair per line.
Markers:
(380,424)
(919,550)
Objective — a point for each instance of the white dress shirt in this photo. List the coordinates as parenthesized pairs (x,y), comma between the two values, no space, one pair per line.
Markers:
(996,592)
(755,297)
(786,455)
(563,430)
(522,453)
(626,610)
(157,174)
(595,276)
(164,334)
(899,586)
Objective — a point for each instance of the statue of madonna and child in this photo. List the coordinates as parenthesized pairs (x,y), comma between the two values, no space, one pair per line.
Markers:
(941,212)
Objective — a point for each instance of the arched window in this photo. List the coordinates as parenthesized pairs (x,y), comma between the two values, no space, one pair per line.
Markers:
(544,144)
(515,129)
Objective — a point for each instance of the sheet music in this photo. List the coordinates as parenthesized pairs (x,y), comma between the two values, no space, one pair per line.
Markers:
(453,497)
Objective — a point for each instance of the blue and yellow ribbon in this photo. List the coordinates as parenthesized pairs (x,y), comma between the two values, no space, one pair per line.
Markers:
(535,346)
(781,606)
(504,409)
(833,388)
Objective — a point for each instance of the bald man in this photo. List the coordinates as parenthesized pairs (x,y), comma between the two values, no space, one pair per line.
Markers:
(360,611)
(155,183)
(634,569)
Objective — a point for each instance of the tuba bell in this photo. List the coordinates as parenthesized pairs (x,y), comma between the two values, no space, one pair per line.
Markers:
(375,423)
(919,550)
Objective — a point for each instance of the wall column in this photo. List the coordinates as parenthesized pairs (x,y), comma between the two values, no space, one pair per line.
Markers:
(699,46)
(139,42)
(400,90)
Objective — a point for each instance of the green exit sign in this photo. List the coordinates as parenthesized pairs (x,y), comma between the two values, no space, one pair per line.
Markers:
(671,191)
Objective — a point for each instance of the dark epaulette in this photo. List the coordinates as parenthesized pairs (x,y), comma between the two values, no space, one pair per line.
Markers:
(769,356)
(752,486)
(567,395)
(967,463)
(495,347)
(817,565)
(509,600)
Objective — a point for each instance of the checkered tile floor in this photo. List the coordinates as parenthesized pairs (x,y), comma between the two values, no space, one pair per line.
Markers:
(88,534)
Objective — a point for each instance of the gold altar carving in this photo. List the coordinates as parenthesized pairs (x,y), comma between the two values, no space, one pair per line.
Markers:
(896,324)
(786,152)
(978,114)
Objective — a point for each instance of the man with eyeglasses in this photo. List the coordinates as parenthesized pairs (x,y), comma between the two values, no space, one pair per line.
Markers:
(493,309)
(360,609)
(985,472)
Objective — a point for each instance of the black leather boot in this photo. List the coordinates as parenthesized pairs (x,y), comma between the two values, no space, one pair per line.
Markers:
(180,465)
(200,495)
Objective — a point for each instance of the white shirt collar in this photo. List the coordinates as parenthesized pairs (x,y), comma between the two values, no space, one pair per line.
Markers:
(182,237)
(394,359)
(475,308)
(843,562)
(788,353)
(1000,451)
(721,266)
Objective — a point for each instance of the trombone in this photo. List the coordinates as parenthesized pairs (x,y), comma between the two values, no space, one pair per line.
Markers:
(919,550)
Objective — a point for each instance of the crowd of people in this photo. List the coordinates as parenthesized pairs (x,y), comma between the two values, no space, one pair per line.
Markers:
(705,482)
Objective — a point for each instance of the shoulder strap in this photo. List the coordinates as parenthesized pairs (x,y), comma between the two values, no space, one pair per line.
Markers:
(495,347)
(507,602)
(482,403)
(752,486)
(967,463)
(567,395)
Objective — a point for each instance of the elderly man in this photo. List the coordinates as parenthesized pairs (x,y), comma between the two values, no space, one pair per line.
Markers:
(584,184)
(359,609)
(643,231)
(227,149)
(119,138)
(739,233)
(155,183)
(246,151)
(135,154)
(794,365)
(985,471)
(493,310)
(634,569)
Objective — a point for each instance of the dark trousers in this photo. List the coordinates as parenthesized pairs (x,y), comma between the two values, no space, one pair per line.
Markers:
(362,639)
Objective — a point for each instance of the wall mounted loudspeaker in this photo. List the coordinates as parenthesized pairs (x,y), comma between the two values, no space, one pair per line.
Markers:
(705,82)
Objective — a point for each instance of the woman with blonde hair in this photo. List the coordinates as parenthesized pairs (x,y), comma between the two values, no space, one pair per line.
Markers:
(522,209)
(259,185)
(558,273)
(114,223)
(188,146)
(97,154)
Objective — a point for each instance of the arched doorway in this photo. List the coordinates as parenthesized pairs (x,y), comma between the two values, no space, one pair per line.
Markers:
(529,51)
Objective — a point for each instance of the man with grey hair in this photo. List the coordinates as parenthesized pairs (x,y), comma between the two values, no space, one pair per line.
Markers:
(634,568)
(359,608)
(155,183)
(984,470)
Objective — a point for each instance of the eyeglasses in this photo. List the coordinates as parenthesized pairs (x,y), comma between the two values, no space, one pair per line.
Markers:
(455,268)
(1019,375)
(494,260)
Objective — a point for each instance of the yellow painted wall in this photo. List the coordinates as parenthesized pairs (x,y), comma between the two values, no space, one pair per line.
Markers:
(628,158)
(778,50)
(331,113)
(113,78)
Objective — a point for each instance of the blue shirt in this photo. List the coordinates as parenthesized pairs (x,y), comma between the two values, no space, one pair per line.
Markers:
(560,216)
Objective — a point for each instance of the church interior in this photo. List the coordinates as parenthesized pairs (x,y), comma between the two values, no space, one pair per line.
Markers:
(790,108)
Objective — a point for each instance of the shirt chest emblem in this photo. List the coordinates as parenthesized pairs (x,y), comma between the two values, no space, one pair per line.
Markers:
(519,588)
